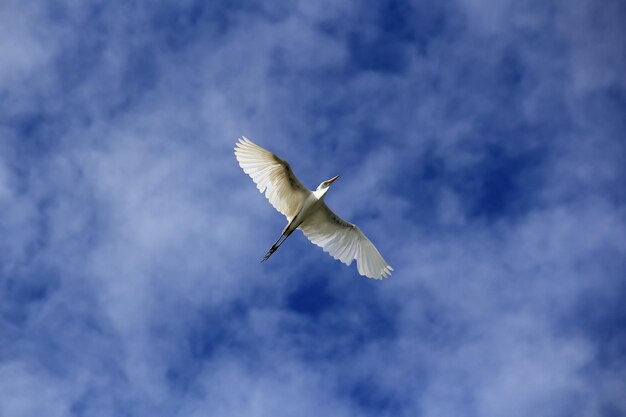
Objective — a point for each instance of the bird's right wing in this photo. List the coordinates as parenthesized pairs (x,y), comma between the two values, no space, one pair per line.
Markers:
(272,176)
(345,242)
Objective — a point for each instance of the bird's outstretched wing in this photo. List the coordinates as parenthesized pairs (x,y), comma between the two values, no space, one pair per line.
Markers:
(345,242)
(272,176)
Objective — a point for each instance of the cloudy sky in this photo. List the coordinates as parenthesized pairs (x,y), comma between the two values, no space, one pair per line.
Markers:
(480,146)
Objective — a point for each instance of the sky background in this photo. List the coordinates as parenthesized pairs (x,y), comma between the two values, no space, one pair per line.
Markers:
(480,146)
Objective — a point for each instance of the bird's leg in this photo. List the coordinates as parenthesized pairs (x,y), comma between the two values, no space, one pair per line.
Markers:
(275,246)
(284,235)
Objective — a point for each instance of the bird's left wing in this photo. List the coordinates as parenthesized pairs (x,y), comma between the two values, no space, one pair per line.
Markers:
(272,176)
(345,242)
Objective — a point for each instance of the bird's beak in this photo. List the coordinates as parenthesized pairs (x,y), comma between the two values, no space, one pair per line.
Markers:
(333,179)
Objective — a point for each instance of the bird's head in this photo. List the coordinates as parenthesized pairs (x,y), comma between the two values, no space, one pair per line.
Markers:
(324,186)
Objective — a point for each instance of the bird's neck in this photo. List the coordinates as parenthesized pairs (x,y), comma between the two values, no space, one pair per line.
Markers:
(320,193)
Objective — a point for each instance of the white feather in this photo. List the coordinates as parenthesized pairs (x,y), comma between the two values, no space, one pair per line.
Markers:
(307,210)
(273,176)
(344,242)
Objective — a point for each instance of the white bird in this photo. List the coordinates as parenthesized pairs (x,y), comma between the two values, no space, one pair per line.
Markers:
(307,211)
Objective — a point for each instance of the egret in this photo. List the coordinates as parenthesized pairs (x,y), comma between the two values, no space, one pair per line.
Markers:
(307,211)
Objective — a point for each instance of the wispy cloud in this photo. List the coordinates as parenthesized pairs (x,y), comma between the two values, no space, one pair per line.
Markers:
(479,146)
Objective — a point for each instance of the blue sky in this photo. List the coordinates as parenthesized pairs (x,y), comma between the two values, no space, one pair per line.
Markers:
(480,146)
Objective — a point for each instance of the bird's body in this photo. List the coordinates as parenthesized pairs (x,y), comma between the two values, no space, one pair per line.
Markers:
(307,211)
(308,206)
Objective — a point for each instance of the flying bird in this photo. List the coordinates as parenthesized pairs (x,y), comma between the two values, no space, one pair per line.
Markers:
(307,211)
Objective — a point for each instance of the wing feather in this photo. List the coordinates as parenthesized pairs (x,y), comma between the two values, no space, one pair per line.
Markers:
(272,176)
(345,242)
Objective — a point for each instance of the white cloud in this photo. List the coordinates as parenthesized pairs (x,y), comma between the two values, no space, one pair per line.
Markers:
(149,232)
